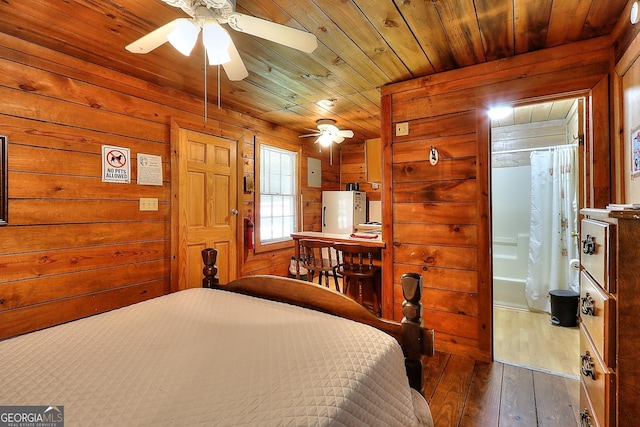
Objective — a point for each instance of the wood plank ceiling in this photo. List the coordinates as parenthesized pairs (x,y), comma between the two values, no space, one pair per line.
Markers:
(538,112)
(363,45)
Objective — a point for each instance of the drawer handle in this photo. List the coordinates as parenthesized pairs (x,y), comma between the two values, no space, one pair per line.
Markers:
(589,245)
(587,365)
(587,306)
(585,418)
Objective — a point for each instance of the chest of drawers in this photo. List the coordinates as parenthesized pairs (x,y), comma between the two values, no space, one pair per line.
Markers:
(609,317)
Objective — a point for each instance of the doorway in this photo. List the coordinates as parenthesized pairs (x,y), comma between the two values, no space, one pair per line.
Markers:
(204,209)
(535,200)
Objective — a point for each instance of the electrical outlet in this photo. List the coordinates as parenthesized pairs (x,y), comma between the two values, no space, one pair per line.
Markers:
(148,204)
(402,129)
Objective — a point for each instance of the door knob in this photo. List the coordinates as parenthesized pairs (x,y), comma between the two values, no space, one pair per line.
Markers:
(234,211)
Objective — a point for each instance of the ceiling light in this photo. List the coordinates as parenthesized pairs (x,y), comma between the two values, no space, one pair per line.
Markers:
(497,113)
(184,36)
(328,133)
(216,41)
(327,103)
(325,139)
(634,13)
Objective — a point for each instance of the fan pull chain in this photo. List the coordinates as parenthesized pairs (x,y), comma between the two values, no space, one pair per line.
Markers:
(205,87)
(206,113)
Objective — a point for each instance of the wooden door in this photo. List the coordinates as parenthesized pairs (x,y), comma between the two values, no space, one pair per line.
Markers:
(207,205)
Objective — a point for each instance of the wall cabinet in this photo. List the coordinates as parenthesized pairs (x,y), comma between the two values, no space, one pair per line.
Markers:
(373,154)
(609,307)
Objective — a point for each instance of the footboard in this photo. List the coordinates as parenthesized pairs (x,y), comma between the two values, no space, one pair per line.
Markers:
(415,339)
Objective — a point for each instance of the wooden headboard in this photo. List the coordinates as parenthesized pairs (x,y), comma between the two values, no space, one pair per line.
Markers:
(415,339)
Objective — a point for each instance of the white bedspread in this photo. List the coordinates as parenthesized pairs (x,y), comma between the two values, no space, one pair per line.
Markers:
(207,357)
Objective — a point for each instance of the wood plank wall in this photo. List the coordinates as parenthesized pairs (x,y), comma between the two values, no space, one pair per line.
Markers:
(441,214)
(76,246)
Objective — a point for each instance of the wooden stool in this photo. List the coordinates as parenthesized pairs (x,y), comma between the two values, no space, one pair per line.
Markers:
(316,256)
(356,266)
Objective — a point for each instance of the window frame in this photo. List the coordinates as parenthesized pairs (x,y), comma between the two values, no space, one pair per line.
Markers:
(288,241)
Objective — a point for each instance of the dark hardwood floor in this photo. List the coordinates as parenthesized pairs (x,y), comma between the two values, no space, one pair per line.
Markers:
(463,392)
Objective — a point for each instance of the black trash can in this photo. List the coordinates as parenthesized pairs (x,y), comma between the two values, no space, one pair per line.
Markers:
(564,307)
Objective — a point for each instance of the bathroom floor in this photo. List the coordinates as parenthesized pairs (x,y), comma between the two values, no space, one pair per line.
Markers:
(528,339)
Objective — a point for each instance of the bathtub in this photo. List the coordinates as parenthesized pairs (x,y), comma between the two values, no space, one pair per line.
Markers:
(510,263)
(509,292)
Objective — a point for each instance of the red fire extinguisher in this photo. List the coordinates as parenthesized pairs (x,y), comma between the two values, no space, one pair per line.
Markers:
(248,233)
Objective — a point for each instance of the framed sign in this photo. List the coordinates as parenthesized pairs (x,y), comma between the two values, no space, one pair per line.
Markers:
(635,152)
(149,169)
(4,182)
(115,164)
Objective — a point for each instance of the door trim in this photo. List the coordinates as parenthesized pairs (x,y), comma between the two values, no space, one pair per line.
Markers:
(586,169)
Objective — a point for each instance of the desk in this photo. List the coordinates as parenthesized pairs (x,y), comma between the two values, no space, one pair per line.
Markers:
(329,237)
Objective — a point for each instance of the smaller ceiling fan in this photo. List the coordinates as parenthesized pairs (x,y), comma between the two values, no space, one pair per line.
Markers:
(207,15)
(328,132)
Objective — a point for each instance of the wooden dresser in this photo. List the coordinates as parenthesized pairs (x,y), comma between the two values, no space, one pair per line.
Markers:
(610,318)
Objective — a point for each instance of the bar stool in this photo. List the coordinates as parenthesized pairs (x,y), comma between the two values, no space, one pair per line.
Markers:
(356,266)
(316,256)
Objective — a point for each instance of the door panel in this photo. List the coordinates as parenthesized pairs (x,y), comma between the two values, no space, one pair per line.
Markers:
(207,205)
(196,208)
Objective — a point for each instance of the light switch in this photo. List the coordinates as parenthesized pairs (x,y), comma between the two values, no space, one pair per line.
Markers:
(148,204)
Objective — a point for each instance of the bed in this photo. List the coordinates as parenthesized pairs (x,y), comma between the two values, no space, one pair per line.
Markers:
(220,355)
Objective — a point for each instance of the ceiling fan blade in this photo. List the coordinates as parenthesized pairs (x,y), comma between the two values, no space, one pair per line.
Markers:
(154,39)
(338,139)
(235,68)
(274,32)
(308,135)
(345,134)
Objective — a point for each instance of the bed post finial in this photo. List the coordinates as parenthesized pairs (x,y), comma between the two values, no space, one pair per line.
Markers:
(412,335)
(209,256)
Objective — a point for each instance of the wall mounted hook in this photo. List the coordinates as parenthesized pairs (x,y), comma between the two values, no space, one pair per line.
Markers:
(433,156)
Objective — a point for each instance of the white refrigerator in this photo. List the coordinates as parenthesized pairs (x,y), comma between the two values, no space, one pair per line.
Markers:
(343,210)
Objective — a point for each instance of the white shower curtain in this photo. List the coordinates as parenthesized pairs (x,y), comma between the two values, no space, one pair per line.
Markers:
(554,216)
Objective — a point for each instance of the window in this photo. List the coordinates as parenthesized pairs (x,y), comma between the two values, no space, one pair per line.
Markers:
(277,213)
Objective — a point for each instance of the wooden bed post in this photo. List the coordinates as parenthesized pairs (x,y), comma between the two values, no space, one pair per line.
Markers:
(209,256)
(414,343)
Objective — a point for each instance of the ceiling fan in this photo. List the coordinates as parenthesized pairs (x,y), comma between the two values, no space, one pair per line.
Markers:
(207,15)
(328,132)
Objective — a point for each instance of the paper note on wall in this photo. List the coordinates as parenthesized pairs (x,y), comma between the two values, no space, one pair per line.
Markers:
(149,169)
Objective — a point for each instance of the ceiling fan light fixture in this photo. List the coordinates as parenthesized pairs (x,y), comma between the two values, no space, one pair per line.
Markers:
(182,33)
(333,130)
(216,41)
(184,36)
(325,139)
(328,133)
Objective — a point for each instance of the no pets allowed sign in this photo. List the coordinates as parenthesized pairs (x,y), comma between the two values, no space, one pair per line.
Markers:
(116,165)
